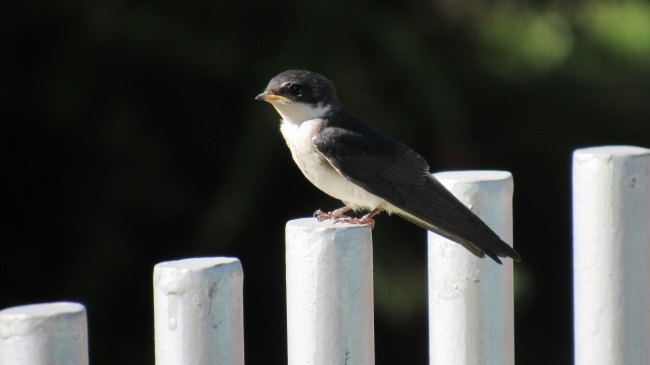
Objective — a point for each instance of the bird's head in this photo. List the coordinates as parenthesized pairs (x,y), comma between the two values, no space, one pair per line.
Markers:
(300,95)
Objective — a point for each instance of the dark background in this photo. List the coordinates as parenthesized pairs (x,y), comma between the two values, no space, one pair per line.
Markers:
(130,136)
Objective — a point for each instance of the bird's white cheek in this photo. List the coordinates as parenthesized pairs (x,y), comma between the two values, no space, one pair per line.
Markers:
(295,113)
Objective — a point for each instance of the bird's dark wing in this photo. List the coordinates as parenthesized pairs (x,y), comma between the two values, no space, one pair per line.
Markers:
(394,172)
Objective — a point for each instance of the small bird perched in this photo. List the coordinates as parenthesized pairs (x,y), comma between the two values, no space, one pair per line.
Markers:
(348,160)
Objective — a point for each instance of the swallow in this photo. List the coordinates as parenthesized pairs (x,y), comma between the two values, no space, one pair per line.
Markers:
(350,161)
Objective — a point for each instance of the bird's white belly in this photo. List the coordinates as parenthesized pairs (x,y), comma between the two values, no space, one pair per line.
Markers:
(319,171)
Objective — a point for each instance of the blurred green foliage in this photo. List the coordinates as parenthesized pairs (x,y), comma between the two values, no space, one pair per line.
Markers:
(130,136)
(622,29)
(524,44)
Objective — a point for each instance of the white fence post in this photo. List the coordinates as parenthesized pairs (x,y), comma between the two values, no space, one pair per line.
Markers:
(198,312)
(611,255)
(44,334)
(470,299)
(329,293)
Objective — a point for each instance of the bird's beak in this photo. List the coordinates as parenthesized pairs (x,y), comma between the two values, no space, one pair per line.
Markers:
(269,96)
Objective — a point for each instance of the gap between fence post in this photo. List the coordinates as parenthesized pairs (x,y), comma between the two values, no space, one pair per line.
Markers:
(329,293)
(611,255)
(471,299)
(44,334)
(198,312)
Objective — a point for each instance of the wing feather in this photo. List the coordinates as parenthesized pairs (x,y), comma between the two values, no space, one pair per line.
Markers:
(394,172)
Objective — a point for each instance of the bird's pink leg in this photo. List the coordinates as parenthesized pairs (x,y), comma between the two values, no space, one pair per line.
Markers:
(332,215)
(366,219)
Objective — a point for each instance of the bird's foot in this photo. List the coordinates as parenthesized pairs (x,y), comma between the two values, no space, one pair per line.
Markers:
(321,216)
(338,217)
(363,220)
(366,219)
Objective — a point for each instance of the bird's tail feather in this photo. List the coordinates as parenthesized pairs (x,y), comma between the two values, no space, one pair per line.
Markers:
(494,249)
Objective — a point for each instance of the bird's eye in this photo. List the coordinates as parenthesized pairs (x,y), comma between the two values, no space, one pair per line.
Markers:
(296,89)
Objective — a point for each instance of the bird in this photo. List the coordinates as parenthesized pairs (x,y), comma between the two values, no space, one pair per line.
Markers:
(350,161)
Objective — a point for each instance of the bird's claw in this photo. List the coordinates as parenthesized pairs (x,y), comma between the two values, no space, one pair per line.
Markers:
(337,216)
(362,220)
(321,216)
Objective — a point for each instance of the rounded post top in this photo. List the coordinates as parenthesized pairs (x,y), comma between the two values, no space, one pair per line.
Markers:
(28,319)
(313,224)
(199,263)
(606,151)
(474,175)
(42,310)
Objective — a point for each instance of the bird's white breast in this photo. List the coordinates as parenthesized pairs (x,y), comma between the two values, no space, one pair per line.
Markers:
(318,170)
